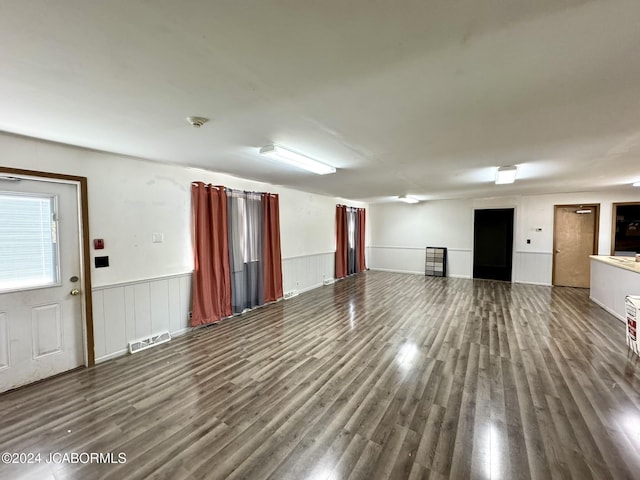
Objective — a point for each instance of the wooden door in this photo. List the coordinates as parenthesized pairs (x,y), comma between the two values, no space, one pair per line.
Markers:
(575,237)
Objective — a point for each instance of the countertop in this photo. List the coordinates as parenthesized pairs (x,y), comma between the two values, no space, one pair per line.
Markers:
(627,263)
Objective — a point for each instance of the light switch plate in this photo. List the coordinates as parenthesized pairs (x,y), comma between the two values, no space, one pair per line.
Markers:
(157,238)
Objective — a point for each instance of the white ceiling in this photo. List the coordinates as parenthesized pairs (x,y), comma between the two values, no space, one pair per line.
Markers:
(403,97)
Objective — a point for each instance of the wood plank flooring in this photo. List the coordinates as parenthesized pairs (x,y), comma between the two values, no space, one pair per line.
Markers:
(379,376)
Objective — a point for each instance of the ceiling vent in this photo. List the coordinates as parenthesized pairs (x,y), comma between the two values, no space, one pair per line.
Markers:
(197,122)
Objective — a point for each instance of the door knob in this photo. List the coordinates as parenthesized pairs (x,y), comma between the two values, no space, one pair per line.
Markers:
(557,251)
(75,291)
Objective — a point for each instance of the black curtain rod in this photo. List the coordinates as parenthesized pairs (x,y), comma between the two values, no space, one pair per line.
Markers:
(347,206)
(249,191)
(217,187)
(207,185)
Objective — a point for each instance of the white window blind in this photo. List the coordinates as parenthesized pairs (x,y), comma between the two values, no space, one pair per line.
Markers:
(28,243)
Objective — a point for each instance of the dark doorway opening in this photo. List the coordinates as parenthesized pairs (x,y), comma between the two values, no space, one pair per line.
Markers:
(626,229)
(493,244)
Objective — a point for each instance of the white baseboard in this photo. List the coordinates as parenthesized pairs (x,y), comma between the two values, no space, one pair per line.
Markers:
(622,319)
(542,284)
(110,356)
(311,287)
(182,331)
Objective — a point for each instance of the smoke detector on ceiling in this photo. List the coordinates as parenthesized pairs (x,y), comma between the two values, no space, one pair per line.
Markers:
(197,122)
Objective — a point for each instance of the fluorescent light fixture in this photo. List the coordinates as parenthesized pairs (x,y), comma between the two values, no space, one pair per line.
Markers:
(408,199)
(637,184)
(294,159)
(506,175)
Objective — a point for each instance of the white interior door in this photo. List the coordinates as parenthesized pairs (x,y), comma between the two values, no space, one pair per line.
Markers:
(41,327)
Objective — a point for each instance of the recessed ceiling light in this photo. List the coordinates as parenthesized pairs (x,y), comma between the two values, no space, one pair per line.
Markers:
(506,175)
(281,154)
(408,199)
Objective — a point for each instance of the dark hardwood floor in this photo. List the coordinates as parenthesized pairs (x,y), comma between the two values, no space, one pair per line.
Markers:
(379,376)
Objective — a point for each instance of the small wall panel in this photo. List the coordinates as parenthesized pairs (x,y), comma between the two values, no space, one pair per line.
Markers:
(159,305)
(129,311)
(182,322)
(114,310)
(99,342)
(142,306)
(4,341)
(175,305)
(46,330)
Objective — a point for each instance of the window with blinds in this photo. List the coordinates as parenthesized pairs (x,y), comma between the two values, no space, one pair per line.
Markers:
(28,241)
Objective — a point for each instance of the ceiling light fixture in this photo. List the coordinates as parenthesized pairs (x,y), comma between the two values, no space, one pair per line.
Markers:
(283,155)
(582,211)
(637,184)
(408,199)
(506,175)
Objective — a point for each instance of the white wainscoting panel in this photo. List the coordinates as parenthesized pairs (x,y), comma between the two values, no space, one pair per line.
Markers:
(115,317)
(142,308)
(533,267)
(128,311)
(308,271)
(411,260)
(4,341)
(159,295)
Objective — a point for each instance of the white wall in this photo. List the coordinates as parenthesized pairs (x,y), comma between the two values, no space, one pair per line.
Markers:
(130,199)
(400,232)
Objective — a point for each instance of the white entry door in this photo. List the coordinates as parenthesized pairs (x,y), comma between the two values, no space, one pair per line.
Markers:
(41,327)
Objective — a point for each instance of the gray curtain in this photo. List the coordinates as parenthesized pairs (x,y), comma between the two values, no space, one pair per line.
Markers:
(245,249)
(352,240)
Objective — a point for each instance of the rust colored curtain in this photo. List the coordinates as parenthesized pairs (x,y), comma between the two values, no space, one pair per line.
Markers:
(361,266)
(341,241)
(211,278)
(271,247)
